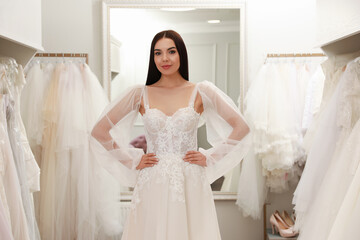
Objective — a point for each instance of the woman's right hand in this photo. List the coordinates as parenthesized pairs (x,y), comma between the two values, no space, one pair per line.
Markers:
(147,160)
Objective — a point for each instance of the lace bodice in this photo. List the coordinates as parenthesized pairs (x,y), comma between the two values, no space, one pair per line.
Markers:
(175,134)
(171,136)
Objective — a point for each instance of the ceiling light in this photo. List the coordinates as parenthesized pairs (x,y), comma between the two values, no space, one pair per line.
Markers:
(214,21)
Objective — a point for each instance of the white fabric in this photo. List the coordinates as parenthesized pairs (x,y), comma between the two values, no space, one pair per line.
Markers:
(32,99)
(273,106)
(328,199)
(9,182)
(63,101)
(252,190)
(324,136)
(27,168)
(333,68)
(314,93)
(346,223)
(173,199)
(38,77)
(5,230)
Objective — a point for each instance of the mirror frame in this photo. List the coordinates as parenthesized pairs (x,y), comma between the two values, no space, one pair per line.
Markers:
(205,4)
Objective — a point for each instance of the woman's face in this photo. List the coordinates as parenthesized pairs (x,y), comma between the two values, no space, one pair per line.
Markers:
(166,56)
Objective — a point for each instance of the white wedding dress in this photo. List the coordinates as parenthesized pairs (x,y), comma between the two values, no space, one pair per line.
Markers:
(327,199)
(346,224)
(173,199)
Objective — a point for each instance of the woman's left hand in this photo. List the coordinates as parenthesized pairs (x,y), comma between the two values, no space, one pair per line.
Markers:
(195,157)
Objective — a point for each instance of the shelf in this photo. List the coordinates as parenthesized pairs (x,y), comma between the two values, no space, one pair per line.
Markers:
(271,236)
(21,52)
(343,45)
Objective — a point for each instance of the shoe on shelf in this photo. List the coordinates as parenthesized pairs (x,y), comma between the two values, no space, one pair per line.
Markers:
(278,225)
(288,220)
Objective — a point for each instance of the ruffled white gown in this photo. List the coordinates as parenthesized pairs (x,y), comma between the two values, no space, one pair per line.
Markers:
(173,199)
(270,107)
(346,224)
(324,137)
(10,192)
(27,168)
(327,200)
(71,205)
(38,77)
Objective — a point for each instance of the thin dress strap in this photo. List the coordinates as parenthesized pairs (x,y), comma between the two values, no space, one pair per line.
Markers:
(145,98)
(193,96)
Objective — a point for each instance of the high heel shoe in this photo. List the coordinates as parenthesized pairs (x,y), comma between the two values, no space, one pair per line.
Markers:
(280,226)
(286,217)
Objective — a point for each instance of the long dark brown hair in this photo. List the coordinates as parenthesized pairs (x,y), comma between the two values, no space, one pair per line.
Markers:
(153,73)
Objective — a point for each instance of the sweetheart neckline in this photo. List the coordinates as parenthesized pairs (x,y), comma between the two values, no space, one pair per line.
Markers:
(170,116)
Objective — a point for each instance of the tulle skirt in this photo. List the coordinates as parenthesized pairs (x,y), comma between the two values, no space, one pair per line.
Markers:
(9,181)
(175,204)
(328,198)
(270,106)
(319,156)
(346,223)
(73,186)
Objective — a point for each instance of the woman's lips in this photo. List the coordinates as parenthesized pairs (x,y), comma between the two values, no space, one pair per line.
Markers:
(166,66)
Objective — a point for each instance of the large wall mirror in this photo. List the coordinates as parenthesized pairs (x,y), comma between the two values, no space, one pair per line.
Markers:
(213,32)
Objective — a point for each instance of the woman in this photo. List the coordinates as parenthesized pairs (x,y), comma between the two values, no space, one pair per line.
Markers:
(172,197)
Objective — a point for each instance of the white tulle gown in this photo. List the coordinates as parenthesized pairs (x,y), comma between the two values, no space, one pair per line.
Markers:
(321,214)
(173,199)
(346,224)
(10,192)
(325,135)
(27,168)
(67,99)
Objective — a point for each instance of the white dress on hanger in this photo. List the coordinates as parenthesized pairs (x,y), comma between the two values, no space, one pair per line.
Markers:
(333,69)
(38,77)
(5,229)
(327,199)
(27,168)
(270,107)
(9,182)
(314,93)
(70,198)
(346,224)
(173,199)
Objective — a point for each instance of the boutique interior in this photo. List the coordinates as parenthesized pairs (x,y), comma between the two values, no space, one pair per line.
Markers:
(291,67)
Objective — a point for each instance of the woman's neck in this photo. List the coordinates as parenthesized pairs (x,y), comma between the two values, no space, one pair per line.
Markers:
(170,81)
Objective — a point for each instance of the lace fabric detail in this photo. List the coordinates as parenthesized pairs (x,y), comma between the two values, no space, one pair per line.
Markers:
(349,108)
(171,170)
(170,137)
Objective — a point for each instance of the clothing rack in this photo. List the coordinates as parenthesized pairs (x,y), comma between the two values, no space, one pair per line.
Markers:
(293,55)
(279,55)
(67,55)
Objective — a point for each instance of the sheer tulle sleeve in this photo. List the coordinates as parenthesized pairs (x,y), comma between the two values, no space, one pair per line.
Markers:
(226,129)
(111,137)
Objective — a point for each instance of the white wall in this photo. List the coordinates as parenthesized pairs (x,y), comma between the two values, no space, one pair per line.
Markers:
(20,20)
(337,19)
(74,27)
(272,26)
(278,26)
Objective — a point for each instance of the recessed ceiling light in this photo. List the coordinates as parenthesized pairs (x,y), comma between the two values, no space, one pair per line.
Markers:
(214,21)
(177,9)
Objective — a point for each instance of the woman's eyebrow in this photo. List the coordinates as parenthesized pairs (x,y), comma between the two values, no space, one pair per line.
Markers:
(168,49)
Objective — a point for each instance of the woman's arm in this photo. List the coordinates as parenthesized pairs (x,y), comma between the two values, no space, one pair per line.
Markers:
(112,131)
(227,131)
